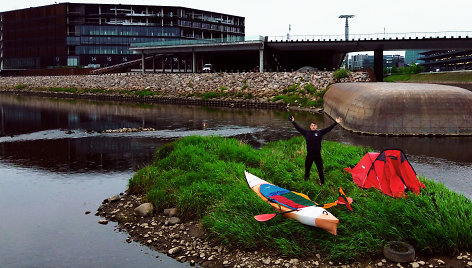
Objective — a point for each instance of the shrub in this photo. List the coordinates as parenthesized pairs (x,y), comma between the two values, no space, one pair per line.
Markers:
(21,86)
(309,88)
(341,73)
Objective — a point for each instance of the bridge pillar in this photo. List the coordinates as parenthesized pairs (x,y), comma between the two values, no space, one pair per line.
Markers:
(194,62)
(153,63)
(261,60)
(172,64)
(143,65)
(378,65)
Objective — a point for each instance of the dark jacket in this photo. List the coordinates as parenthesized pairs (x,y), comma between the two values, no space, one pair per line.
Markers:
(313,138)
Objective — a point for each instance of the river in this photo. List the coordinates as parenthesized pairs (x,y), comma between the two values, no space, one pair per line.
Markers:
(57,162)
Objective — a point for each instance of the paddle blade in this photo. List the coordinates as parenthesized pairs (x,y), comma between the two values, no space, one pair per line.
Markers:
(264,217)
(342,201)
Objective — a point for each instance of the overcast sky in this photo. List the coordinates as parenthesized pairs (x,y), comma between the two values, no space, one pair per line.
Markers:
(318,17)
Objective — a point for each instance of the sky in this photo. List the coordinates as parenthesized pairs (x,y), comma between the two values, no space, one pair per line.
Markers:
(318,17)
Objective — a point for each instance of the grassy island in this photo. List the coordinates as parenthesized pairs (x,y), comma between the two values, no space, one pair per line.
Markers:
(204,178)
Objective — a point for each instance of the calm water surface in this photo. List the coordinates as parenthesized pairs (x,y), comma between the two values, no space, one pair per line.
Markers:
(56,163)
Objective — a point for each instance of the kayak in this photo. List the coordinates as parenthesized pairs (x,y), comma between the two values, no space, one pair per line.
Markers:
(294,205)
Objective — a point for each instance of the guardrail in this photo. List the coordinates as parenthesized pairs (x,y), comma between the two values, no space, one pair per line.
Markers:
(374,36)
(198,41)
(352,37)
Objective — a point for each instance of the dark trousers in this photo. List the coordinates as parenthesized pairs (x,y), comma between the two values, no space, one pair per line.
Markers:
(314,157)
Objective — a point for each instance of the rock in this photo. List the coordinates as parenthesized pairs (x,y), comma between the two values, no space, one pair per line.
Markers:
(114,198)
(103,222)
(171,212)
(266,261)
(144,210)
(414,265)
(469,263)
(294,261)
(174,250)
(174,220)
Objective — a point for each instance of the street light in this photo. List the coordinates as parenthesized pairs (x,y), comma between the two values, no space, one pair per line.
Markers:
(346,31)
(346,35)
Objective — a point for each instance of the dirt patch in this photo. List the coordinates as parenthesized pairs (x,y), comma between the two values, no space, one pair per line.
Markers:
(188,242)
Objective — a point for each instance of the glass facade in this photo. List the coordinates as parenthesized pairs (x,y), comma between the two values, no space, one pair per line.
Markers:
(74,34)
(109,30)
(103,50)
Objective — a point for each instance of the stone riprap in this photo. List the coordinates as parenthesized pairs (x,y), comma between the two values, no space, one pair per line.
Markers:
(401,108)
(256,86)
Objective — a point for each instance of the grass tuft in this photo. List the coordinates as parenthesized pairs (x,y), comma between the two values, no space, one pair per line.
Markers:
(204,178)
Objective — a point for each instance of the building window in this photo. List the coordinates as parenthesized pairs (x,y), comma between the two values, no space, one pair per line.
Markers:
(73,61)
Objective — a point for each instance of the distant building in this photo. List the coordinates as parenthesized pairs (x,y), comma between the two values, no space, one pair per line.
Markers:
(413,56)
(363,61)
(359,61)
(98,35)
(446,60)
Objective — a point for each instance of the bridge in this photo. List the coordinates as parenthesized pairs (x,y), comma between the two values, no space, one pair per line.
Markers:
(324,52)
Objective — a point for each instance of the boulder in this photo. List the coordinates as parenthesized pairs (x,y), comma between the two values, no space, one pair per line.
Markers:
(144,210)
(171,212)
(114,198)
(174,220)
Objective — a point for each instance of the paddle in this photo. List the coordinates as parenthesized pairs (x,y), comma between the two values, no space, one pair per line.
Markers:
(266,217)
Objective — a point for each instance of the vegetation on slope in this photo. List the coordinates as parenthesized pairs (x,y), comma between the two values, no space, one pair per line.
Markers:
(452,77)
(204,178)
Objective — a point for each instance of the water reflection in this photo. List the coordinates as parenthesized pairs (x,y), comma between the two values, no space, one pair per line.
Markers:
(56,153)
(68,135)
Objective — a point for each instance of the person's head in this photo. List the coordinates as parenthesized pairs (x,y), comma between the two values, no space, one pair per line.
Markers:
(313,126)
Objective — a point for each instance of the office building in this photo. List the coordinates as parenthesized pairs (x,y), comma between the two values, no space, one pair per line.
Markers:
(446,60)
(99,35)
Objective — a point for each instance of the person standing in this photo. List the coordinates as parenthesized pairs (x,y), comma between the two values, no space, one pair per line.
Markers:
(313,139)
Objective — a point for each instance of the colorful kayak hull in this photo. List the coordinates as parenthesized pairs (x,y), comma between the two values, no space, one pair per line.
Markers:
(309,215)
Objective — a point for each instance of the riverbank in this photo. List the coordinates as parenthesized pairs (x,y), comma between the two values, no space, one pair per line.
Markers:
(462,79)
(260,90)
(188,242)
(214,198)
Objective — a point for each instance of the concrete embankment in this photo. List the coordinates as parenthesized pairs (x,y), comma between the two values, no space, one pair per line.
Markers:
(401,108)
(185,88)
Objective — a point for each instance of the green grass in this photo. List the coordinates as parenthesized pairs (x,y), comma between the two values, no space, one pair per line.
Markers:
(213,95)
(295,99)
(397,78)
(432,77)
(21,86)
(341,73)
(204,178)
(61,89)
(144,93)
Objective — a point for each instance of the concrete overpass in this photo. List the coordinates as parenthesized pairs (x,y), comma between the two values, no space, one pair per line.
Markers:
(322,52)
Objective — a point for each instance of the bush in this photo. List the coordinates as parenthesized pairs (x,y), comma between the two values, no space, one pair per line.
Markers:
(309,89)
(341,73)
(21,86)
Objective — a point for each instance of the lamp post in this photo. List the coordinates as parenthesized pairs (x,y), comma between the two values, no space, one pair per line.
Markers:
(346,34)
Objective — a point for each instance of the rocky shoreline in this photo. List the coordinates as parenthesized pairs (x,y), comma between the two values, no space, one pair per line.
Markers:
(186,241)
(240,88)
